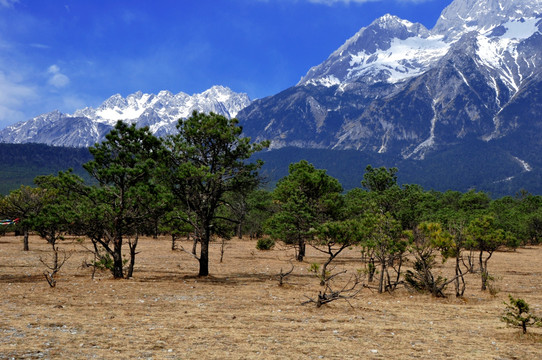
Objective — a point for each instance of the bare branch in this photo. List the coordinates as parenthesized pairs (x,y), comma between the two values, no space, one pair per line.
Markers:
(282,275)
(347,292)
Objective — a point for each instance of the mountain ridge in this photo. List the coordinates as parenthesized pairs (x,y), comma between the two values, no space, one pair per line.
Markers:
(398,87)
(87,126)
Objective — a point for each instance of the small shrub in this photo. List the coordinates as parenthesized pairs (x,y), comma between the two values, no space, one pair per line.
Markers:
(422,280)
(517,313)
(492,286)
(105,262)
(265,244)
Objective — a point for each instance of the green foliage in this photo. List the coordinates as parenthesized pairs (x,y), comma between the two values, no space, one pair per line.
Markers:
(259,210)
(386,242)
(428,239)
(518,314)
(105,262)
(314,268)
(128,193)
(484,236)
(306,198)
(24,203)
(206,162)
(265,244)
(379,179)
(58,216)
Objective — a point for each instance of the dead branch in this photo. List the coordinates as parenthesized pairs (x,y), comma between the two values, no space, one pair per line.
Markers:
(348,291)
(283,275)
(55,266)
(195,256)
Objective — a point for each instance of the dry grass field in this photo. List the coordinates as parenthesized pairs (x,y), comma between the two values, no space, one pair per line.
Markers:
(240,312)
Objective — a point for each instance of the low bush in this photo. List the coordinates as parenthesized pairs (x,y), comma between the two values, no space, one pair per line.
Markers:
(265,244)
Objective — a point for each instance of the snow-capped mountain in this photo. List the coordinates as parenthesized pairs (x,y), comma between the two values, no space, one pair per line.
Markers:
(390,49)
(396,87)
(160,112)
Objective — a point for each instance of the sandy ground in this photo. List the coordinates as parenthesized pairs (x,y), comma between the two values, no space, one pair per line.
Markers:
(240,312)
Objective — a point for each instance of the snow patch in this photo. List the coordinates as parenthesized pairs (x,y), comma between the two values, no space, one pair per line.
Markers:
(327,81)
(524,164)
(404,58)
(426,145)
(520,30)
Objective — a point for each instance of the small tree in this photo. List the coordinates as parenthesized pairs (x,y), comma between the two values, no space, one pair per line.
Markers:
(385,238)
(429,239)
(333,237)
(457,230)
(306,198)
(55,220)
(128,193)
(485,237)
(24,203)
(518,314)
(205,162)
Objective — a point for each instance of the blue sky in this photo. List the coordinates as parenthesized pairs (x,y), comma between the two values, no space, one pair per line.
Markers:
(68,54)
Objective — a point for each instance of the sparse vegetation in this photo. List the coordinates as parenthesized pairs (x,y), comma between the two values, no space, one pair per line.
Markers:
(165,302)
(200,188)
(518,314)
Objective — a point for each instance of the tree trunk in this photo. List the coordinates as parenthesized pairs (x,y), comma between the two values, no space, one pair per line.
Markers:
(398,273)
(483,271)
(25,240)
(133,246)
(173,244)
(204,257)
(117,260)
(381,282)
(194,245)
(323,278)
(240,231)
(301,253)
(459,288)
(371,268)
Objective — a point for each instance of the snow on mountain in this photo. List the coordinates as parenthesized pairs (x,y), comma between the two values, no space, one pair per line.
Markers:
(389,49)
(160,112)
(392,49)
(396,87)
(467,15)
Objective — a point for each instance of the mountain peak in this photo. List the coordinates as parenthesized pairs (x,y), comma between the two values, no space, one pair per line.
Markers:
(466,15)
(389,21)
(376,53)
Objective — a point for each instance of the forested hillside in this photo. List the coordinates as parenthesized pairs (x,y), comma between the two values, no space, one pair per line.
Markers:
(489,168)
(21,163)
(480,166)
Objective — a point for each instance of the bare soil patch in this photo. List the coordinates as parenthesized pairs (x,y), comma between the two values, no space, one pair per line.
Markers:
(240,312)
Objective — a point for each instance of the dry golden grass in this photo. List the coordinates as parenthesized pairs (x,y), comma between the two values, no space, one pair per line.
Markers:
(240,312)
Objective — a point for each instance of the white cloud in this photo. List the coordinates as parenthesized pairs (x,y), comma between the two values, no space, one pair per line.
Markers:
(57,79)
(14,95)
(8,3)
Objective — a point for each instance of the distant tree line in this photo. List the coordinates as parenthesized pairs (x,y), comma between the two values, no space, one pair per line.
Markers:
(202,183)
